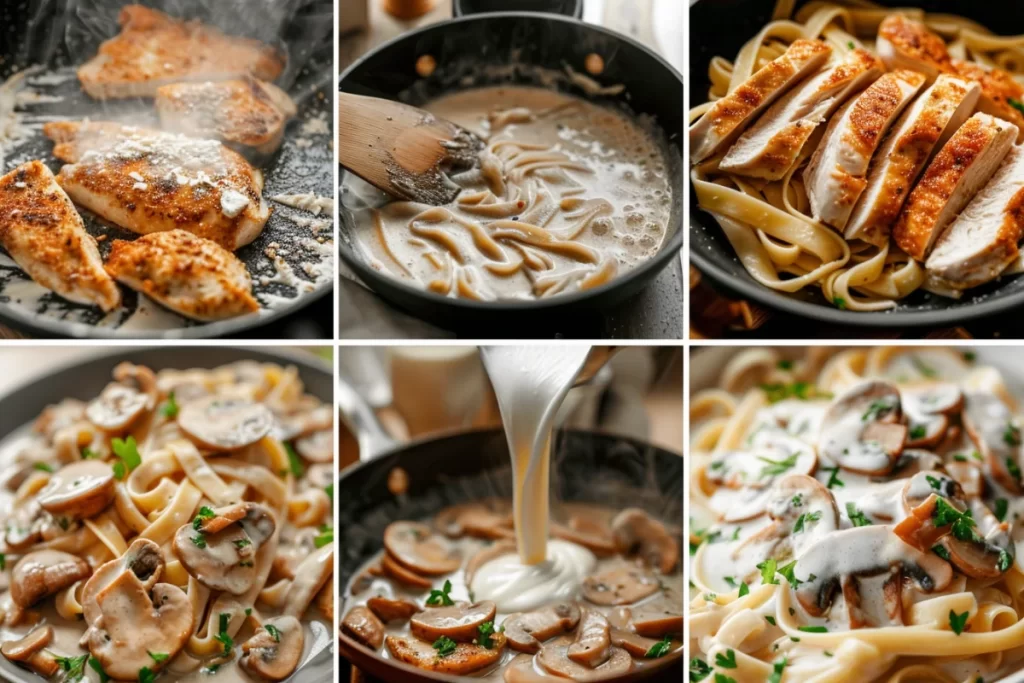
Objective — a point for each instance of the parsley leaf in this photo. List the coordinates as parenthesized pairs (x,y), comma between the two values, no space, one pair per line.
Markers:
(962,524)
(744,589)
(958,622)
(223,638)
(722,678)
(204,514)
(73,666)
(127,452)
(200,541)
(840,303)
(1016,104)
(486,630)
(1002,506)
(325,537)
(146,675)
(770,620)
(42,467)
(768,568)
(95,665)
(1004,561)
(812,629)
(440,597)
(787,571)
(444,646)
(876,410)
(170,408)
(699,670)
(294,462)
(856,516)
(941,551)
(1012,434)
(805,518)
(274,632)
(728,661)
(918,432)
(777,669)
(833,478)
(777,466)
(158,657)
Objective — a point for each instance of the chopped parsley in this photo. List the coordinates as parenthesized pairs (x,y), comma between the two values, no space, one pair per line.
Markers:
(969,356)
(89,454)
(95,665)
(294,462)
(812,629)
(805,518)
(850,45)
(3,562)
(802,391)
(785,365)
(74,667)
(777,669)
(770,620)
(242,543)
(205,513)
(933,482)
(1013,468)
(486,630)
(918,432)
(158,657)
(958,622)
(1011,435)
(722,678)
(200,541)
(833,478)
(840,303)
(440,597)
(127,452)
(223,638)
(787,572)
(329,490)
(941,551)
(730,580)
(1002,507)
(876,410)
(699,670)
(856,516)
(146,675)
(775,467)
(744,589)
(325,537)
(170,408)
(1004,561)
(274,632)
(961,522)
(726,661)
(42,467)
(1016,104)
(444,646)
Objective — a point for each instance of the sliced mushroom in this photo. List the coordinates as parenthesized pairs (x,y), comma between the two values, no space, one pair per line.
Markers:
(990,554)
(403,575)
(634,644)
(476,519)
(928,413)
(914,460)
(620,586)
(417,547)
(921,495)
(274,651)
(460,622)
(862,551)
(364,627)
(221,553)
(997,436)
(592,535)
(861,431)
(143,559)
(124,401)
(883,591)
(317,447)
(465,659)
(521,670)
(392,610)
(312,574)
(592,646)
(527,630)
(554,658)
(225,424)
(655,618)
(135,622)
(43,573)
(634,531)
(29,651)
(78,491)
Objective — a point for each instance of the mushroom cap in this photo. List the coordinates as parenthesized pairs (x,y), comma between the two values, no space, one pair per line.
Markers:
(143,559)
(22,649)
(554,658)
(392,610)
(317,447)
(659,617)
(118,407)
(527,630)
(861,430)
(418,548)
(221,555)
(633,530)
(478,519)
(402,575)
(592,646)
(225,424)
(78,491)
(364,627)
(466,658)
(928,413)
(594,536)
(43,573)
(274,656)
(460,622)
(620,585)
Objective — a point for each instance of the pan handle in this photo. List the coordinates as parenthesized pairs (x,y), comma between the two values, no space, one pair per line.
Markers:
(362,421)
(570,8)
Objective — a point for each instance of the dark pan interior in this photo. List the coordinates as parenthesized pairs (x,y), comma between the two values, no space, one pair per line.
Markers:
(586,467)
(61,34)
(721,27)
(465,49)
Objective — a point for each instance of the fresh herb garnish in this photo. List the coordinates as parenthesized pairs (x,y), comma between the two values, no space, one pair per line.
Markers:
(1004,561)
(200,541)
(1011,435)
(1013,468)
(146,675)
(958,622)
(785,365)
(170,408)
(850,45)
(961,522)
(95,665)
(805,518)
(222,637)
(770,620)
(722,678)
(833,478)
(812,629)
(660,649)
(856,516)
(89,454)
(970,356)
(1016,104)
(777,669)
(329,490)
(127,452)
(744,589)
(74,667)
(941,551)
(787,571)
(42,467)
(444,646)
(158,657)
(876,410)
(775,467)
(840,303)
(798,390)
(274,632)
(204,514)
(294,462)
(699,670)
(933,482)
(242,543)
(440,597)
(768,569)
(726,661)
(918,432)
(486,630)
(325,537)
(1002,507)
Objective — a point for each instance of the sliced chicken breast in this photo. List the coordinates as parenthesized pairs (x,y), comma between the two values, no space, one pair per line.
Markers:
(45,236)
(730,116)
(154,49)
(908,44)
(770,148)
(962,167)
(246,114)
(926,126)
(837,173)
(999,90)
(983,240)
(149,181)
(190,275)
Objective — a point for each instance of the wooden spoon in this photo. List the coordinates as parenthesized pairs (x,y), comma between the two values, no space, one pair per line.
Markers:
(405,151)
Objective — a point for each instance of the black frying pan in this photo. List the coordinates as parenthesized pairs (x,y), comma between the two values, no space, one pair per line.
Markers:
(721,27)
(586,467)
(66,33)
(85,379)
(551,41)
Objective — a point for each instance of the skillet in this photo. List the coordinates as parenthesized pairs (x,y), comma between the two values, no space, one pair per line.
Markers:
(58,35)
(461,47)
(85,379)
(721,27)
(586,466)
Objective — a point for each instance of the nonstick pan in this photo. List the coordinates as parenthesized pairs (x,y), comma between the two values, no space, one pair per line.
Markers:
(85,379)
(586,466)
(721,27)
(45,40)
(463,47)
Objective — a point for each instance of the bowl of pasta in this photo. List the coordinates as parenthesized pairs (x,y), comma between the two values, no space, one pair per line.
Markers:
(167,513)
(855,514)
(858,164)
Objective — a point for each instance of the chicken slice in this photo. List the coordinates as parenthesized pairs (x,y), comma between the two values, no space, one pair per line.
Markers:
(983,240)
(929,122)
(837,173)
(999,90)
(770,148)
(148,181)
(246,114)
(962,167)
(908,44)
(43,233)
(154,49)
(189,275)
(729,116)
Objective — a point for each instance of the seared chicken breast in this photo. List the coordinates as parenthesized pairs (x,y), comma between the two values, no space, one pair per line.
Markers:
(998,90)
(149,181)
(45,236)
(154,49)
(926,126)
(770,148)
(907,44)
(837,173)
(729,116)
(962,167)
(190,275)
(246,114)
(983,240)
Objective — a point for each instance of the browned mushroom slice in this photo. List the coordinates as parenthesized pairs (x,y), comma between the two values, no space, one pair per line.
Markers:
(922,495)
(143,559)
(862,551)
(403,575)
(78,491)
(554,658)
(392,610)
(221,553)
(117,408)
(637,532)
(417,547)
(988,552)
(592,646)
(273,652)
(620,586)
(521,670)
(459,622)
(29,651)
(43,573)
(997,436)
(861,430)
(474,519)
(969,476)
(527,630)
(225,424)
(464,659)
(594,536)
(485,555)
(317,447)
(325,602)
(634,644)
(928,413)
(364,627)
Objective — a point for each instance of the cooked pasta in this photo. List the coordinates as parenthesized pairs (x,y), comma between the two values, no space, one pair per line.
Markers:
(853,518)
